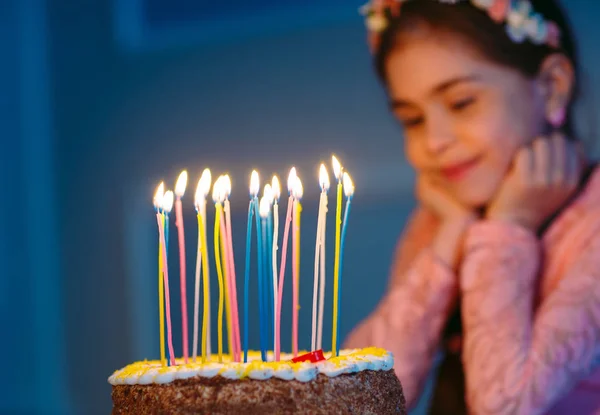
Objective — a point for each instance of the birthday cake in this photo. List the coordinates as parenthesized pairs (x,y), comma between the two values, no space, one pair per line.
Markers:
(266,382)
(355,382)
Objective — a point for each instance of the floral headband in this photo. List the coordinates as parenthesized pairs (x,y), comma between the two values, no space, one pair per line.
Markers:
(522,22)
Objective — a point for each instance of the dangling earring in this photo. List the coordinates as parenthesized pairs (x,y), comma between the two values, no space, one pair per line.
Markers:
(557,118)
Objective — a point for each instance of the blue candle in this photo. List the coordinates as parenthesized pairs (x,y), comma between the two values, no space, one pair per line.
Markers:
(254,186)
(261,294)
(247,279)
(349,191)
(167,231)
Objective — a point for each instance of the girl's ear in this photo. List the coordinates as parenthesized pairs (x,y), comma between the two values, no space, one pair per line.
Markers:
(557,82)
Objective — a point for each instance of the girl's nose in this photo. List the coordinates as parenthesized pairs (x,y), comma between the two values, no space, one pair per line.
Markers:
(439,137)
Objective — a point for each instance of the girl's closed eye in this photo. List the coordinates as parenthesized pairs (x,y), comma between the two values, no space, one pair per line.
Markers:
(409,118)
(463,103)
(409,122)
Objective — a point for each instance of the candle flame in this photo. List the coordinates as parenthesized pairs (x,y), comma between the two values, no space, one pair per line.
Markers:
(324,178)
(268,193)
(298,191)
(348,185)
(292,179)
(168,201)
(204,183)
(226,190)
(276,188)
(181,184)
(337,168)
(254,184)
(216,193)
(159,196)
(264,207)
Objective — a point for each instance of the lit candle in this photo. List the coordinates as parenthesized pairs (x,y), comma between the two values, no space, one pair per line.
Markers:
(349,192)
(254,187)
(288,220)
(179,192)
(261,293)
(197,201)
(217,199)
(268,255)
(231,273)
(167,206)
(297,193)
(264,210)
(276,188)
(206,176)
(225,266)
(322,278)
(319,274)
(158,202)
(202,264)
(337,170)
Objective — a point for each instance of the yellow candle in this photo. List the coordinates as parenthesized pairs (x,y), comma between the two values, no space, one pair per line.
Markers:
(202,192)
(337,168)
(161,301)
(220,277)
(297,193)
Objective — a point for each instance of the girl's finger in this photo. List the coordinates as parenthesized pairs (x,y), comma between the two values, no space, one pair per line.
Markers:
(573,164)
(524,165)
(560,159)
(542,154)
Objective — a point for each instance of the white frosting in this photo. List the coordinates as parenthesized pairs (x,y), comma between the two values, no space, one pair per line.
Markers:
(306,371)
(148,377)
(349,361)
(284,371)
(209,370)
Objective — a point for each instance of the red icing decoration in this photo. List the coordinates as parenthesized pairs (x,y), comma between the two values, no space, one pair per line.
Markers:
(313,357)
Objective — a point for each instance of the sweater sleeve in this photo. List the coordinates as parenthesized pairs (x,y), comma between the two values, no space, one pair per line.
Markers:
(409,320)
(517,360)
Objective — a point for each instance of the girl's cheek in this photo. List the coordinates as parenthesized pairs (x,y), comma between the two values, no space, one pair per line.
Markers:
(415,155)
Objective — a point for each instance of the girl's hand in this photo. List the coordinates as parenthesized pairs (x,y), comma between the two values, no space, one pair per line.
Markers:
(543,177)
(438,201)
(454,221)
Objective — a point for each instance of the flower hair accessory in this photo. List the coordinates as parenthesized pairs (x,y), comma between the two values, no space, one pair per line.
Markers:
(522,22)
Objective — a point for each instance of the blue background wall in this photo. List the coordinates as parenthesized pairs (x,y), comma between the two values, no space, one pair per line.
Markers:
(102,100)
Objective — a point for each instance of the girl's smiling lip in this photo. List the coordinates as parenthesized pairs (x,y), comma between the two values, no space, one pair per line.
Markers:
(457,171)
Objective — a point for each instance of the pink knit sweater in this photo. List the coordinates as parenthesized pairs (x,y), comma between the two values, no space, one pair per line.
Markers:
(530,310)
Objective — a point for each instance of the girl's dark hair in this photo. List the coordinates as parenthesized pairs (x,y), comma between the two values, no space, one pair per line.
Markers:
(487,38)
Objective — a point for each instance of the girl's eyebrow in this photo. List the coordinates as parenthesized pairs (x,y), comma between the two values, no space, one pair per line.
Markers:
(442,87)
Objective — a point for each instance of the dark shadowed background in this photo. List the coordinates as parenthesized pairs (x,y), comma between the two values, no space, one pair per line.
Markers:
(103,99)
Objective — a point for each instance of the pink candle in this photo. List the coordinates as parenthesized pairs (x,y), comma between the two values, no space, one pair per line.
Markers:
(288,219)
(167,205)
(179,191)
(227,281)
(237,346)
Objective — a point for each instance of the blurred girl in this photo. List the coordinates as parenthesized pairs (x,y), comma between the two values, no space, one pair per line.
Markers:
(508,225)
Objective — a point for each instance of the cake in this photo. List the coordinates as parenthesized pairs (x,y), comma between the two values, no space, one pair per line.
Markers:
(358,381)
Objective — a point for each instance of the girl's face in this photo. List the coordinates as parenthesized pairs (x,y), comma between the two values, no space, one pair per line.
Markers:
(464,118)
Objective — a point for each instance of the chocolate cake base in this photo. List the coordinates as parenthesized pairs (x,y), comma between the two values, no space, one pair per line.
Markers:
(366,392)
